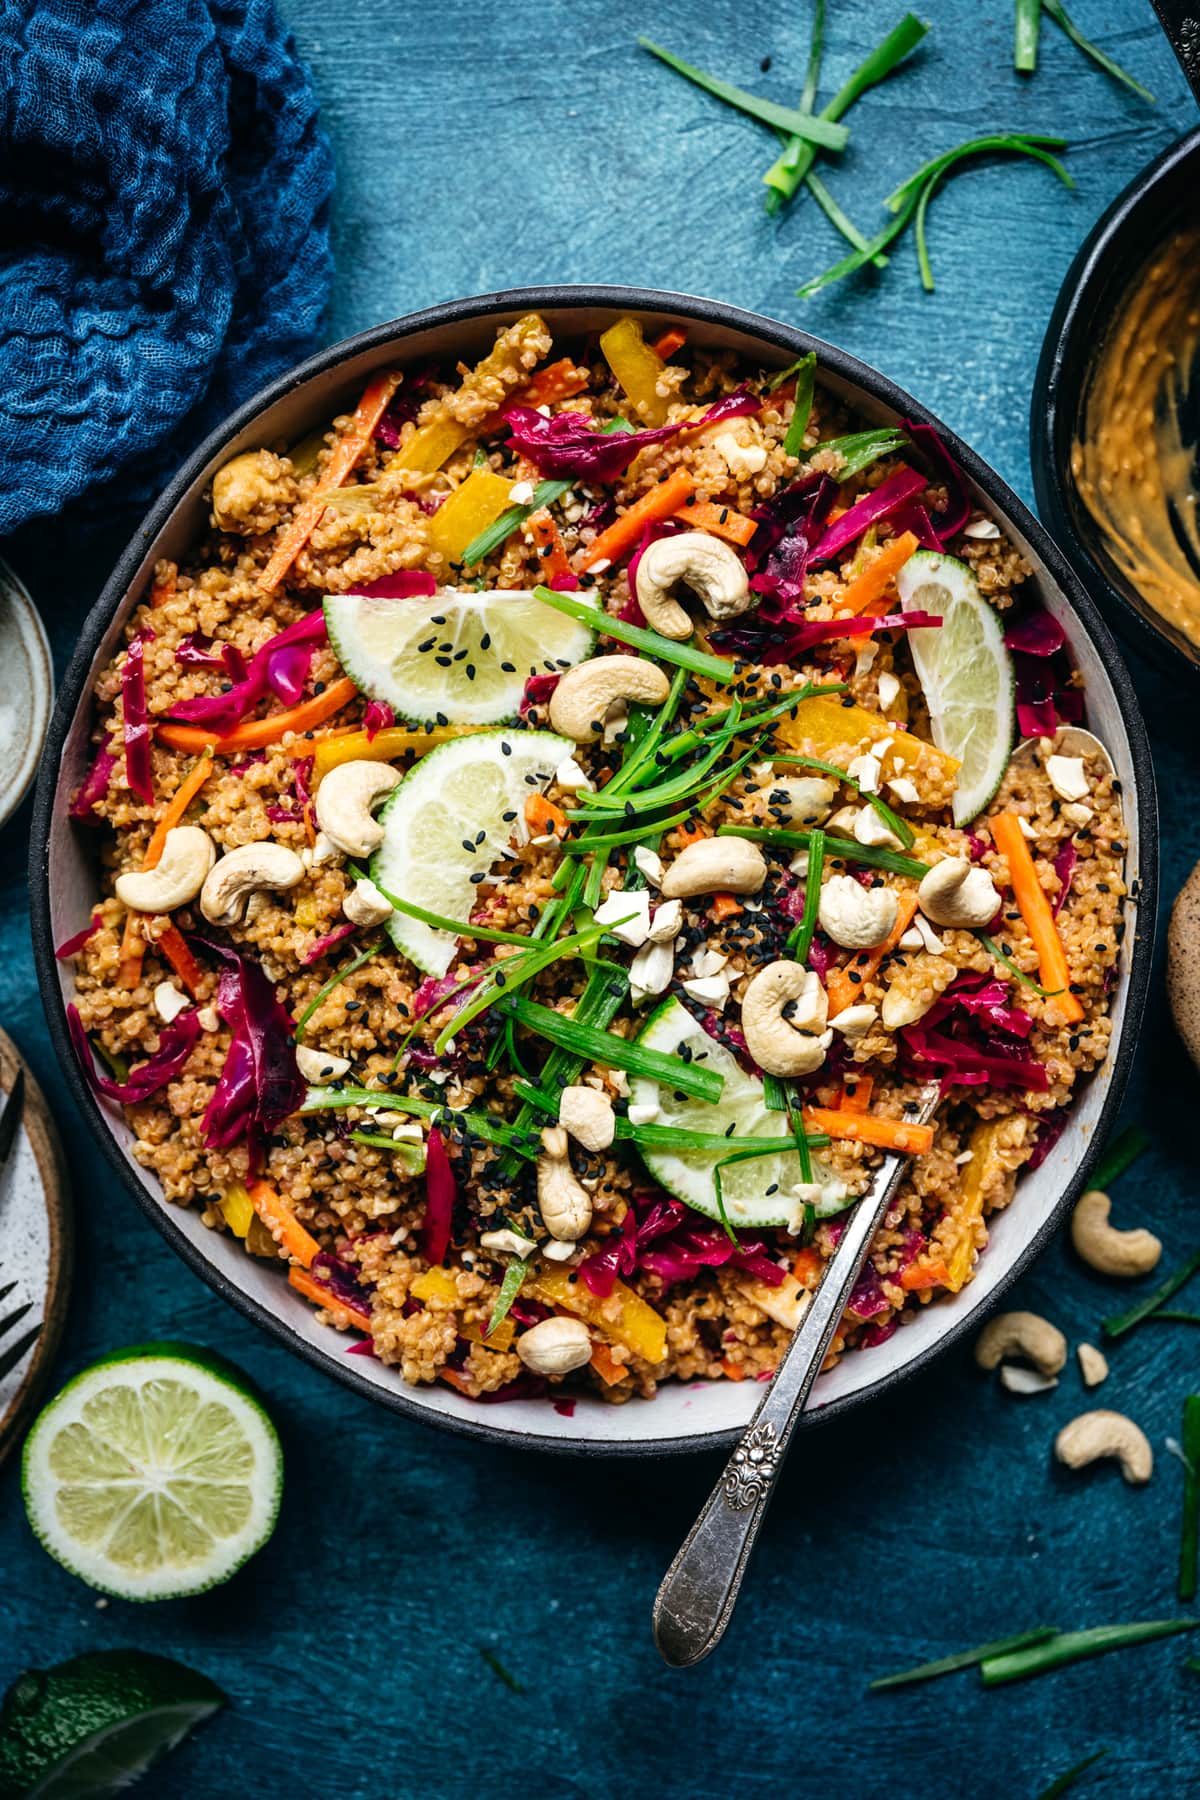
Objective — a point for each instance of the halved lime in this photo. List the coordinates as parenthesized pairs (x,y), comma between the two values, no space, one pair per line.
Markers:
(461,656)
(153,1474)
(451,818)
(966,673)
(757,1192)
(88,1728)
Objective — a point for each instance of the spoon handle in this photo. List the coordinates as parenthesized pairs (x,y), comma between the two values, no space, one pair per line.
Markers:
(1180,19)
(700,1589)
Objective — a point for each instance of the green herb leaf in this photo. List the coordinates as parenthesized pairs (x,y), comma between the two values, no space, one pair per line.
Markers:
(1074,1646)
(966,1659)
(616,1052)
(477,1124)
(862,448)
(598,1005)
(1189,1536)
(510,1287)
(1058,13)
(1070,1776)
(1119,1154)
(806,375)
(800,941)
(783,118)
(462,928)
(716,668)
(1002,956)
(896,825)
(1120,1323)
(410,1154)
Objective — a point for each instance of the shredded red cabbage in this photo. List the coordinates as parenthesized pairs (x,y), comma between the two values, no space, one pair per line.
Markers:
(820,631)
(280,667)
(1064,868)
(565,1407)
(1042,664)
(436,988)
(867,1298)
(631,613)
(175,1044)
(660,1241)
(879,503)
(1050,1129)
(538,690)
(871,1335)
(569,447)
(1037,634)
(822,954)
(343,1282)
(405,584)
(94,787)
(260,1084)
(378,717)
(364,1346)
(946,472)
(136,722)
(323,945)
(440,1195)
(966,1057)
(75,944)
(197,652)
(522,1387)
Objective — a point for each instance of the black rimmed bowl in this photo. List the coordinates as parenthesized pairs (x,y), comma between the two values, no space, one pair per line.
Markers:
(64,884)
(1158,200)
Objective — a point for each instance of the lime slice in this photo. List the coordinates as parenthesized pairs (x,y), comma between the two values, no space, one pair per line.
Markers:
(451,818)
(966,673)
(88,1728)
(462,656)
(153,1474)
(689,1174)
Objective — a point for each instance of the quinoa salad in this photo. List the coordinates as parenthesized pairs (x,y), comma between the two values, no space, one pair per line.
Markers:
(559,829)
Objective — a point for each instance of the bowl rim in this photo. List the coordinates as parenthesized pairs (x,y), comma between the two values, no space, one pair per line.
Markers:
(390,335)
(1054,402)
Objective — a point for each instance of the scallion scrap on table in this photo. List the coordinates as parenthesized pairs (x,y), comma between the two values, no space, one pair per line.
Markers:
(965,1659)
(1117,1324)
(1189,1536)
(1038,1651)
(1070,1776)
(1026,29)
(1118,1154)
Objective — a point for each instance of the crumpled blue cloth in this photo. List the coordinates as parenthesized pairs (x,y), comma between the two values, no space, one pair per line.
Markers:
(164,243)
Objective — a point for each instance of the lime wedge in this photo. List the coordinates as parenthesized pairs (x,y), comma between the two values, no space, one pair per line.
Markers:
(153,1474)
(689,1174)
(966,673)
(462,656)
(452,818)
(88,1728)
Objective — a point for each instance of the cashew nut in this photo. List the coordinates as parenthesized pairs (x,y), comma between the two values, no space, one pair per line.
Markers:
(715,866)
(901,1008)
(856,917)
(249,870)
(781,1044)
(709,567)
(555,1347)
(364,905)
(188,855)
(1094,1435)
(588,1115)
(344,801)
(1022,1334)
(169,1002)
(565,1204)
(585,693)
(320,1066)
(800,799)
(1093,1365)
(959,894)
(1105,1248)
(509,1243)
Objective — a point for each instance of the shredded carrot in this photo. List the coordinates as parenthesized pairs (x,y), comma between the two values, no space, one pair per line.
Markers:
(671,340)
(922,1275)
(552,557)
(283,1224)
(719,521)
(189,788)
(1035,910)
(557,381)
(724,906)
(133,949)
(543,817)
(164,585)
(869,1128)
(732,1371)
(257,734)
(842,987)
(607,1368)
(808,1268)
(174,948)
(856,1093)
(456,1379)
(376,396)
(690,832)
(663,500)
(316,1291)
(878,575)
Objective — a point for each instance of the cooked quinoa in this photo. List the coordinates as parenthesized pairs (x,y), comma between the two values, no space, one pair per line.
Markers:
(403,1223)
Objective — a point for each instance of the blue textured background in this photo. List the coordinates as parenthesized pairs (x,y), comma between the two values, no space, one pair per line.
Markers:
(488,145)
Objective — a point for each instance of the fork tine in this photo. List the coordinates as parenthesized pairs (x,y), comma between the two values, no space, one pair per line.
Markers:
(6,1291)
(14,1318)
(11,1357)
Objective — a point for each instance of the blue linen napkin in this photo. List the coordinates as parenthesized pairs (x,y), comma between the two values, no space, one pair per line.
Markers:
(164,243)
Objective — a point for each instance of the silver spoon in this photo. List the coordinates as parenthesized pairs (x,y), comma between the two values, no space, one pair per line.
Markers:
(1069,740)
(700,1589)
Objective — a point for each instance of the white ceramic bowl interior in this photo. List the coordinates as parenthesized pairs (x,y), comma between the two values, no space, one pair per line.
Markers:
(681,1417)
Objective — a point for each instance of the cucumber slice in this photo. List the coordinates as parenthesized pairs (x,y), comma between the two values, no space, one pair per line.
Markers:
(473,788)
(461,656)
(966,672)
(688,1175)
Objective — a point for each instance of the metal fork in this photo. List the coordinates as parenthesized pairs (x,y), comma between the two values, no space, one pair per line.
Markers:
(10,1119)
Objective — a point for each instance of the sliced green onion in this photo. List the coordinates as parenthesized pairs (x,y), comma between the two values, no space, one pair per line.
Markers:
(800,941)
(1074,1646)
(1189,1535)
(666,1137)
(1027,23)
(966,1659)
(784,118)
(510,1287)
(461,928)
(896,825)
(774,1094)
(1118,1154)
(1070,1776)
(682,655)
(1058,13)
(842,222)
(478,1124)
(616,1052)
(803,1140)
(514,972)
(862,448)
(869,856)
(1164,1316)
(613,801)
(806,377)
(501,529)
(1120,1323)
(598,1005)
(1002,956)
(116,1065)
(334,981)
(411,1155)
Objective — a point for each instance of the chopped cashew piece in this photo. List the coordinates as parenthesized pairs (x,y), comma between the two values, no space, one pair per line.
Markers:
(1095,1435)
(779,1046)
(571,778)
(900,1009)
(649,863)
(252,869)
(364,905)
(667,922)
(709,990)
(855,917)
(1093,1365)
(510,1243)
(707,962)
(188,855)
(715,866)
(904,790)
(581,701)
(1068,777)
(169,1002)
(588,1116)
(344,802)
(1077,815)
(707,565)
(644,1115)
(870,829)
(889,687)
(651,970)
(855,1021)
(740,459)
(553,1251)
(324,851)
(865,770)
(555,1347)
(320,1066)
(626,912)
(958,894)
(843,820)
(1022,1334)
(565,1204)
(1103,1247)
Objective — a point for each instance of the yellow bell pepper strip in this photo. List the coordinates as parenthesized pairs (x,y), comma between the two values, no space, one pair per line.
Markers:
(472,507)
(345,454)
(984,1144)
(439,1284)
(824,727)
(624,1316)
(1035,910)
(238,1208)
(870,1128)
(316,1291)
(429,447)
(386,746)
(283,1224)
(637,369)
(662,502)
(258,734)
